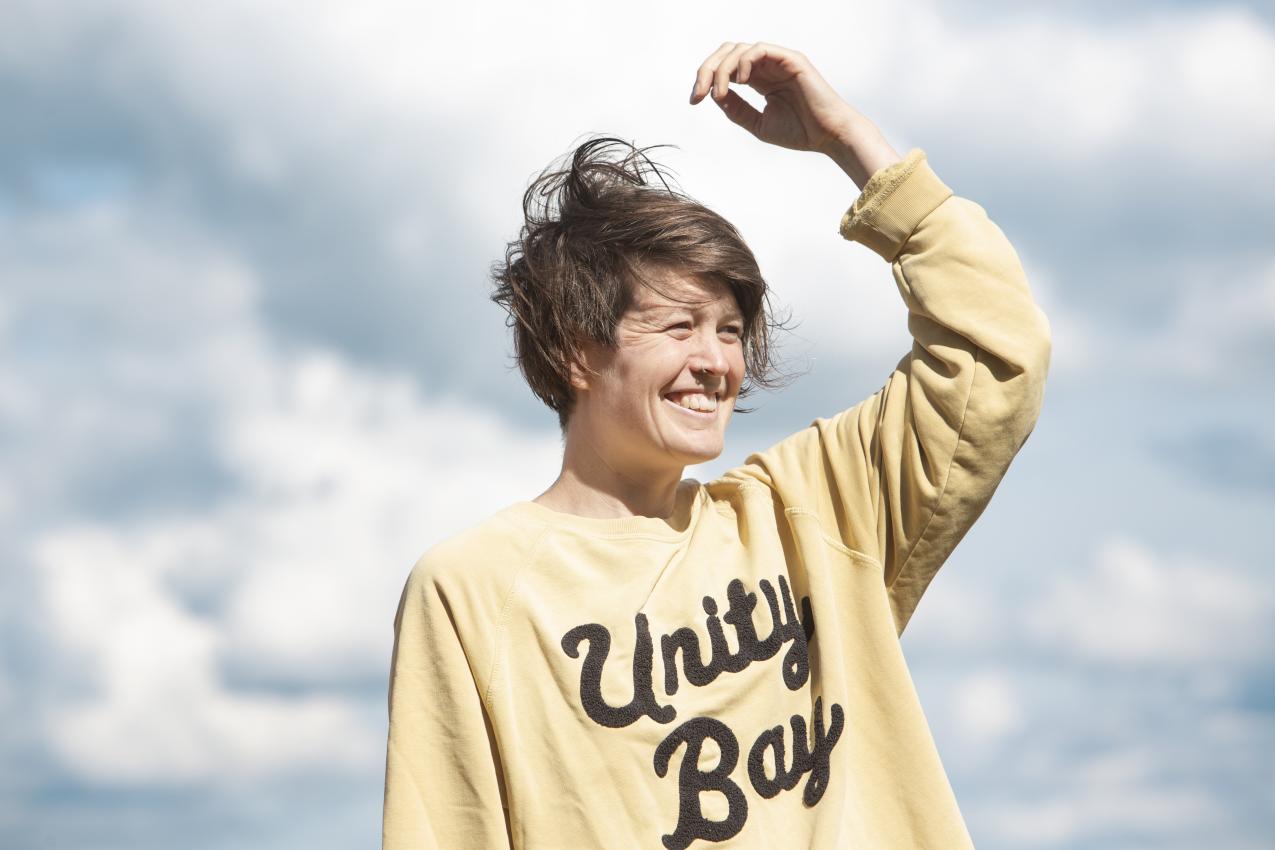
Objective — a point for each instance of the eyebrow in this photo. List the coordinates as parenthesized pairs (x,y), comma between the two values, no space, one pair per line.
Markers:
(660,309)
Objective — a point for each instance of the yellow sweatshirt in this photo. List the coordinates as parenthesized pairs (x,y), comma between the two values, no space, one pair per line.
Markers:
(730,676)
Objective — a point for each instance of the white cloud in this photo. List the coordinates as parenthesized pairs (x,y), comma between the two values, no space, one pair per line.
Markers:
(1101,810)
(437,80)
(1078,344)
(348,477)
(136,322)
(157,711)
(1137,606)
(987,708)
(960,614)
(1059,92)
(1130,605)
(344,476)
(1070,92)
(356,473)
(1212,329)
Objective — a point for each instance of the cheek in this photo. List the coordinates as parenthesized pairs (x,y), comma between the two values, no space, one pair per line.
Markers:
(658,368)
(737,368)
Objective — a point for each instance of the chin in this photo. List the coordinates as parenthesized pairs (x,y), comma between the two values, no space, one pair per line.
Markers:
(701,455)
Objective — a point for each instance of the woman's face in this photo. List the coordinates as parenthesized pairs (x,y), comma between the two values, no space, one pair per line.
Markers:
(669,357)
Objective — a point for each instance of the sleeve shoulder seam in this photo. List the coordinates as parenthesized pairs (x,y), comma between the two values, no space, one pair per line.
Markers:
(498,643)
(947,473)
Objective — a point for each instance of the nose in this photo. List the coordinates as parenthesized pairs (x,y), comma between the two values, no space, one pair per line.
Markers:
(709,356)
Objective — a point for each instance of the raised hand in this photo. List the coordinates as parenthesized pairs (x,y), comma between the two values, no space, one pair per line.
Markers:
(802,111)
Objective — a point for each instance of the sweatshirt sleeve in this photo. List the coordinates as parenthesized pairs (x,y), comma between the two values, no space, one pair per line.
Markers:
(443,783)
(902,475)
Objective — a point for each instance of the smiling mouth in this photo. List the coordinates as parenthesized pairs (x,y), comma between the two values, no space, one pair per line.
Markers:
(698,414)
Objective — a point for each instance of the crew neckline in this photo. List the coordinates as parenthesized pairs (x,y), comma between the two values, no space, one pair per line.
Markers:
(675,527)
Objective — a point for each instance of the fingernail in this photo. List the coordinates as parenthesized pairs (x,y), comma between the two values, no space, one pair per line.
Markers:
(693,87)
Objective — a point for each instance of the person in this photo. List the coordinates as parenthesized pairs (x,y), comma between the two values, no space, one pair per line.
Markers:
(632,659)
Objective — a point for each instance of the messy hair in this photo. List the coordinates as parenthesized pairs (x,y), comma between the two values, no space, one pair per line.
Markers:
(592,230)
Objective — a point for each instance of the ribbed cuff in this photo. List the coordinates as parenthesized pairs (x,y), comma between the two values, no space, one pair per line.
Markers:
(893,202)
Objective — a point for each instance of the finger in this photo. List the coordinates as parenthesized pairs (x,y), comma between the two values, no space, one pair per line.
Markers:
(725,68)
(790,61)
(752,55)
(740,111)
(705,73)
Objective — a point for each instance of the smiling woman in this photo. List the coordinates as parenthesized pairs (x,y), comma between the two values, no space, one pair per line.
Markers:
(525,701)
(641,317)
(599,230)
(658,400)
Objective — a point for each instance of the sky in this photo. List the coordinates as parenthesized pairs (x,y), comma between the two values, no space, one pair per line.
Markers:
(250,372)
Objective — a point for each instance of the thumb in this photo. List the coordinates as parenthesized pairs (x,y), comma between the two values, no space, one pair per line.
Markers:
(740,111)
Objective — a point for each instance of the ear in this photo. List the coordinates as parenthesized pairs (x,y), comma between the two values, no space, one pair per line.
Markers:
(578,381)
(579,372)
(582,367)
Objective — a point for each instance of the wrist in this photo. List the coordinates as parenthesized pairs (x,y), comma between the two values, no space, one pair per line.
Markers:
(860,149)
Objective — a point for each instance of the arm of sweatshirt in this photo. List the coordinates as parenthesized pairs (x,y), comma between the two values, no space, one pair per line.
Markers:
(902,475)
(443,784)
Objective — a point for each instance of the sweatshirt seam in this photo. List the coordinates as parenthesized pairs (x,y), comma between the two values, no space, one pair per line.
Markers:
(802,510)
(830,539)
(887,191)
(947,473)
(671,536)
(876,196)
(907,237)
(503,616)
(620,535)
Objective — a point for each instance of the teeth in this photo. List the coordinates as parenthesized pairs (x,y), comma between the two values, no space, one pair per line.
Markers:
(695,401)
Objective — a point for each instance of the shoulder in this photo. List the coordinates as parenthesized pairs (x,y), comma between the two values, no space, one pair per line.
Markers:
(739,497)
(477,564)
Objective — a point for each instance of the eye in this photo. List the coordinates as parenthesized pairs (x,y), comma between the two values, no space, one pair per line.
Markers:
(680,326)
(733,330)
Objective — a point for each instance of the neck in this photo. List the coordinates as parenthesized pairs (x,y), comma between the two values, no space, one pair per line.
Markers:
(589,486)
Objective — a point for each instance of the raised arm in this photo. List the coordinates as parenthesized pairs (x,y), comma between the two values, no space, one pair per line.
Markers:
(901,476)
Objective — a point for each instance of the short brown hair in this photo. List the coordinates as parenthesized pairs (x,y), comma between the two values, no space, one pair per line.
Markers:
(592,229)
